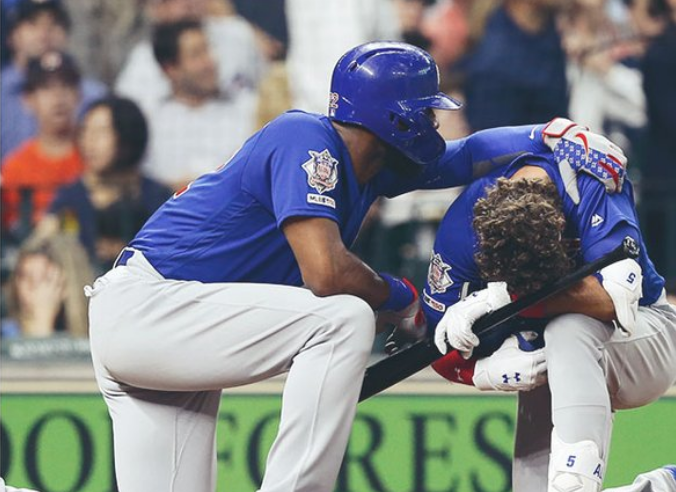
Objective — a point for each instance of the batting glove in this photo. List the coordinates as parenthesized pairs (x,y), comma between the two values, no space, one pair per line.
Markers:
(511,368)
(623,283)
(410,326)
(455,328)
(576,149)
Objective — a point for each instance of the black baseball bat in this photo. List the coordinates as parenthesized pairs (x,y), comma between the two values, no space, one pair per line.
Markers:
(397,367)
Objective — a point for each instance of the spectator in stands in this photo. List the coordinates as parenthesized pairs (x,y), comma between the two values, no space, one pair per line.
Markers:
(196,129)
(36,27)
(239,61)
(113,199)
(44,293)
(274,93)
(410,14)
(447,28)
(32,173)
(606,91)
(516,74)
(659,168)
(103,33)
(269,22)
(319,34)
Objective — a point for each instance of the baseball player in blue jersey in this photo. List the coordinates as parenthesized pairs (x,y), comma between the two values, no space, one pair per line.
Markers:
(245,274)
(610,342)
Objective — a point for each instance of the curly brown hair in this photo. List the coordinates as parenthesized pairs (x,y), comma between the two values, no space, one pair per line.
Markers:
(519,227)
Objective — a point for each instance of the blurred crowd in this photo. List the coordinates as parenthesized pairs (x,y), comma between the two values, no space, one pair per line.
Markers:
(110,106)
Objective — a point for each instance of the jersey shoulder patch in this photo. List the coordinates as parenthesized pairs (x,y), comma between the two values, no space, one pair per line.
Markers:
(438,276)
(322,170)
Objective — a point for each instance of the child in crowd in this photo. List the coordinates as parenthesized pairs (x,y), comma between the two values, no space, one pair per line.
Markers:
(32,173)
(44,292)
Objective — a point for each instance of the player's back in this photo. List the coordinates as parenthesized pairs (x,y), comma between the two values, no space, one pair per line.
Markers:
(599,221)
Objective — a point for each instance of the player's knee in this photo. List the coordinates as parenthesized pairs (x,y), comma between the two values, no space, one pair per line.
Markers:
(354,320)
(574,333)
(576,328)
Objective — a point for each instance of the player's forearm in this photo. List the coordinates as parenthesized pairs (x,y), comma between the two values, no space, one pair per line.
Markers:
(587,297)
(347,274)
(478,154)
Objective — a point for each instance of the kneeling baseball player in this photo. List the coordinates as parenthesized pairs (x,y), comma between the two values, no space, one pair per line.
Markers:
(609,342)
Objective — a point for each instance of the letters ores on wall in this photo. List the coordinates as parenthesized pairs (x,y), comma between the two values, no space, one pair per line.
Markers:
(59,443)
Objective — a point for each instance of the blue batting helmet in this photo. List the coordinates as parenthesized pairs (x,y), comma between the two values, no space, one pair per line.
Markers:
(388,88)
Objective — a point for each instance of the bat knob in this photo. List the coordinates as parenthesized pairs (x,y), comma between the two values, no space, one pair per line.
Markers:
(631,247)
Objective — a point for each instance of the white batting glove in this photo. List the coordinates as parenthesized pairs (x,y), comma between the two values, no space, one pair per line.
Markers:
(623,283)
(511,369)
(456,325)
(576,149)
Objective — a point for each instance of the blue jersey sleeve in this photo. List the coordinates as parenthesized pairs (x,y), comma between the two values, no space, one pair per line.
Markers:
(472,157)
(603,219)
(452,272)
(306,170)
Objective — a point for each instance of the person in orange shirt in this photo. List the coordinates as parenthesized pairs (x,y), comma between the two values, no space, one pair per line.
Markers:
(32,173)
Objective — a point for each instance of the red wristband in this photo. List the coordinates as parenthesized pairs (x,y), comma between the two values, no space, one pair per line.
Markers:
(455,368)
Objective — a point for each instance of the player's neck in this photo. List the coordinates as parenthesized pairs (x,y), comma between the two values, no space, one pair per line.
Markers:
(367,152)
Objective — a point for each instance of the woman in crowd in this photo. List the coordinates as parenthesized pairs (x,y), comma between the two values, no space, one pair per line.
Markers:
(107,206)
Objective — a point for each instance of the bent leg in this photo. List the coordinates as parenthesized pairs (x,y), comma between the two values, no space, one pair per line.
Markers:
(163,441)
(162,339)
(319,404)
(532,440)
(594,369)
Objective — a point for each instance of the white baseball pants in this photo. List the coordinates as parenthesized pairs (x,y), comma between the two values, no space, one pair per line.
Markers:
(164,349)
(593,369)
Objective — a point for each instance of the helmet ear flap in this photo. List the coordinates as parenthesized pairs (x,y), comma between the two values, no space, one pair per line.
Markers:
(400,125)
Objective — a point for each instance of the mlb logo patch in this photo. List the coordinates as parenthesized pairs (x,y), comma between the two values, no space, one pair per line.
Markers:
(322,170)
(437,276)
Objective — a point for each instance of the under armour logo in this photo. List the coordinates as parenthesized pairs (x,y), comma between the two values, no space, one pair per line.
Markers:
(506,378)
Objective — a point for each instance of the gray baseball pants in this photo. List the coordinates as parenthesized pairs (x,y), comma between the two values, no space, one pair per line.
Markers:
(164,349)
(593,369)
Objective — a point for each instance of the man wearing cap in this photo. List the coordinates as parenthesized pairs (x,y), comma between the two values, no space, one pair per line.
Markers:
(35,27)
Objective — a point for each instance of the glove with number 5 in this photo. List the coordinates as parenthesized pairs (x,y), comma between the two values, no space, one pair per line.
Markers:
(456,325)
(515,366)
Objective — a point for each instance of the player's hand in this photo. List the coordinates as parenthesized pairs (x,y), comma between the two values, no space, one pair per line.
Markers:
(455,328)
(576,149)
(515,366)
(409,326)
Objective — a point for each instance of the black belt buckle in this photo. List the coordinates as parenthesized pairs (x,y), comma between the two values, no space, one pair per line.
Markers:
(123,257)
